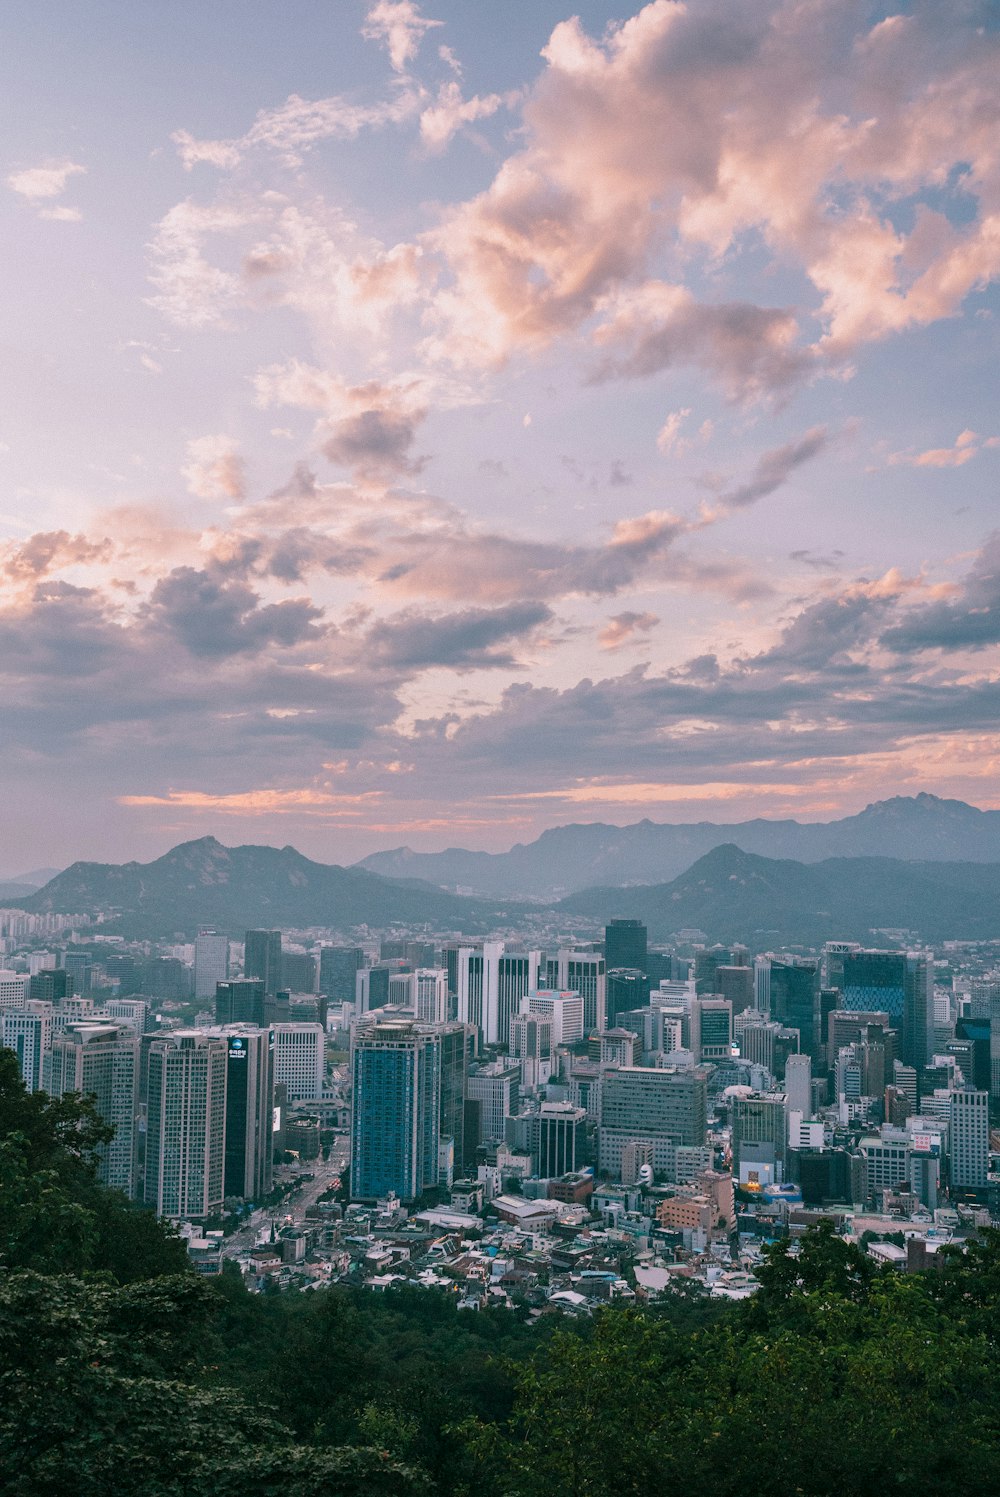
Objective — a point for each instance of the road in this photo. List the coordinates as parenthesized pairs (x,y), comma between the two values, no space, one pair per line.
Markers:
(324,1174)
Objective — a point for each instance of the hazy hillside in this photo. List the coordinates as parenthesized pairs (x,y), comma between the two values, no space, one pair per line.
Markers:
(203,883)
(578,856)
(728,893)
(732,894)
(19,885)
(12,891)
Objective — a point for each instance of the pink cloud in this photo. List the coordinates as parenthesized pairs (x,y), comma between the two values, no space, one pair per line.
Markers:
(692,127)
(215,469)
(440,120)
(966,446)
(400,27)
(623,628)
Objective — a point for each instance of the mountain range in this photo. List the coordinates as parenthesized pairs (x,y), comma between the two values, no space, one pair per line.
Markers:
(579,856)
(20,885)
(768,902)
(203,883)
(728,893)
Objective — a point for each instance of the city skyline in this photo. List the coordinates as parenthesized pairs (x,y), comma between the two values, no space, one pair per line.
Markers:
(422,430)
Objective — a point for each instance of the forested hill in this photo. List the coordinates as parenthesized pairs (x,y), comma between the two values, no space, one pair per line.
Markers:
(232,888)
(729,894)
(734,895)
(124,1374)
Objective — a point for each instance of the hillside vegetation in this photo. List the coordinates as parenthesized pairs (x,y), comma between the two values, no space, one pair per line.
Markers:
(124,1374)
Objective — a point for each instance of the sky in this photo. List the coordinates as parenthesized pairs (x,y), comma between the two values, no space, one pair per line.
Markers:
(427,424)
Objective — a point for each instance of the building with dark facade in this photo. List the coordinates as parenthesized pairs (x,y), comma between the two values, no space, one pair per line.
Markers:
(241,1000)
(627,989)
(795,1002)
(338,970)
(262,958)
(625,944)
(900,983)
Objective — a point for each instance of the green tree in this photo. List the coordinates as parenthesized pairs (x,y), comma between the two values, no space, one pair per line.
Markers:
(55,1216)
(594,1415)
(104,1392)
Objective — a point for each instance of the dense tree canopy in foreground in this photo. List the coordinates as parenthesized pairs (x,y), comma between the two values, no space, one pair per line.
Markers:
(123,1373)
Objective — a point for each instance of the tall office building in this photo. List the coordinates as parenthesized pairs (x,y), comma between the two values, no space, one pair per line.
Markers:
(905,1083)
(166,977)
(970,1139)
(713,1019)
(516,976)
(338,970)
(430,994)
(299,1060)
(764,1042)
(795,1001)
(262,958)
(298,972)
(402,990)
(102,1061)
(242,1000)
(27,1031)
(585,972)
(497,1089)
(994,1018)
(80,966)
(798,1084)
(666,1108)
(15,989)
(249,1149)
(490,984)
(132,1011)
(51,985)
(832,962)
(614,1047)
(762,984)
(736,984)
(627,989)
(72,1011)
(918,1009)
(887,1158)
(458,1047)
(557,1135)
(470,981)
(901,983)
(211,962)
(564,1012)
(706,965)
(395,1130)
(845,1028)
(371,987)
(625,944)
(186,1124)
(759,1139)
(531,1044)
(984,995)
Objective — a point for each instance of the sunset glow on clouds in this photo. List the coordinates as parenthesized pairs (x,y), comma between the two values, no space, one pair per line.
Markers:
(537,415)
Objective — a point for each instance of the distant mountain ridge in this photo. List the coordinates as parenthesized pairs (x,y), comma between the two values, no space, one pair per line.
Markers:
(233,888)
(21,885)
(728,893)
(923,827)
(12,891)
(35,879)
(735,895)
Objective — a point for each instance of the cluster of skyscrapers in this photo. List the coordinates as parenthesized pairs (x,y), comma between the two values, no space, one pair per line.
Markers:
(195,1110)
(840,1075)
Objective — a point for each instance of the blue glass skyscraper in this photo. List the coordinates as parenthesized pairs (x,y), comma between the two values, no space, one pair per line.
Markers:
(395,1126)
